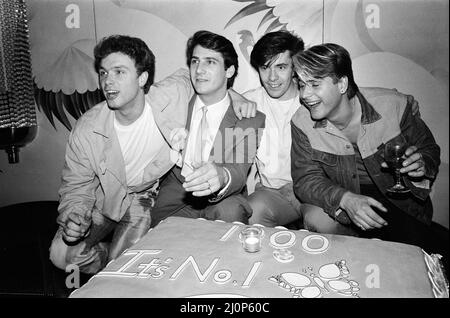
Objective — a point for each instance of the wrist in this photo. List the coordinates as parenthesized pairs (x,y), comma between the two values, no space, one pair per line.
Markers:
(342,203)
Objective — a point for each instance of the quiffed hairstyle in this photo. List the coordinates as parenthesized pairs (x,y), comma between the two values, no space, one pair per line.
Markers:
(135,48)
(328,59)
(271,44)
(218,43)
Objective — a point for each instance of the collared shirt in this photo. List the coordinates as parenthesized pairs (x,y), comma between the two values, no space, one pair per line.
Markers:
(273,158)
(214,117)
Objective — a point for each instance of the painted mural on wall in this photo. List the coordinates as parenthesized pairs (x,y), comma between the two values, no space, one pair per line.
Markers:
(303,18)
(396,43)
(69,84)
(375,32)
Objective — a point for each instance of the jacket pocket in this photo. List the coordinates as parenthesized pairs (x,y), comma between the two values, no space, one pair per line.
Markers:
(324,158)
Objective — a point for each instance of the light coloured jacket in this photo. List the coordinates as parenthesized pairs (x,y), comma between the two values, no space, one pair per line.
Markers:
(94,173)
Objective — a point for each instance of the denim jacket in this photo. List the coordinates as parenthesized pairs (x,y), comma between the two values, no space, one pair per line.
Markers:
(323,160)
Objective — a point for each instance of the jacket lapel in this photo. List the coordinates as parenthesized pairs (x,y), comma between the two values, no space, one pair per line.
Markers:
(188,121)
(176,170)
(190,110)
(111,159)
(114,159)
(220,142)
(229,121)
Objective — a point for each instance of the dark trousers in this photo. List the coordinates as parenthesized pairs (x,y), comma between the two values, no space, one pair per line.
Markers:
(173,200)
(404,228)
(231,209)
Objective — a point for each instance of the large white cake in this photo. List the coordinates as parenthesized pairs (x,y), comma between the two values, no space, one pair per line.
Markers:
(184,257)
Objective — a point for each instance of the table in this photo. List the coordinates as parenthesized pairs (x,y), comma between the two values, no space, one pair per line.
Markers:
(184,257)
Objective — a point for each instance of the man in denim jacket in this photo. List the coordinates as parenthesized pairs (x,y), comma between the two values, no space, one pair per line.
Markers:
(337,153)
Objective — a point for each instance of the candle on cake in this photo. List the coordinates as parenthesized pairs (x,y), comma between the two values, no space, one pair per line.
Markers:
(252,244)
(250,238)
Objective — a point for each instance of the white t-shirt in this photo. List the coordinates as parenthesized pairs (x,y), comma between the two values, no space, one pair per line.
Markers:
(273,158)
(140,142)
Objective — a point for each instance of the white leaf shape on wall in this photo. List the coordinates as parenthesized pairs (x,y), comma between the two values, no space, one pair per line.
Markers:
(72,71)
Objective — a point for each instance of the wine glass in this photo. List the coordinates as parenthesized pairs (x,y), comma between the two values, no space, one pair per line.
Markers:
(394,151)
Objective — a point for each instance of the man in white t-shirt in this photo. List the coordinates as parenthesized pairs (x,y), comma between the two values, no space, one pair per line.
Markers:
(273,202)
(116,154)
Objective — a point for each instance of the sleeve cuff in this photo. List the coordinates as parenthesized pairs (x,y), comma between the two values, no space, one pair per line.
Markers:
(222,192)
(225,188)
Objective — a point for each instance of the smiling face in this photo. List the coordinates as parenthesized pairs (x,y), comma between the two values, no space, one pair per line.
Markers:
(323,97)
(276,77)
(208,74)
(120,82)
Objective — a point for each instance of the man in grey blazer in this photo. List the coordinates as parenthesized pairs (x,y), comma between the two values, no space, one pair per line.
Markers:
(209,180)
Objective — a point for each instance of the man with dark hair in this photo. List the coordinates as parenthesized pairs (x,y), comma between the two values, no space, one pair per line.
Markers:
(211,179)
(218,43)
(115,156)
(273,202)
(135,48)
(338,159)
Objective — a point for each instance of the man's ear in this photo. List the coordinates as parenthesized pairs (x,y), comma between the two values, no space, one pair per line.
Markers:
(230,71)
(143,79)
(343,84)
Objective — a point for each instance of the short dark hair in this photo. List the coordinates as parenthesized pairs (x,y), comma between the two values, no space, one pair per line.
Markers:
(328,59)
(273,43)
(218,43)
(135,48)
